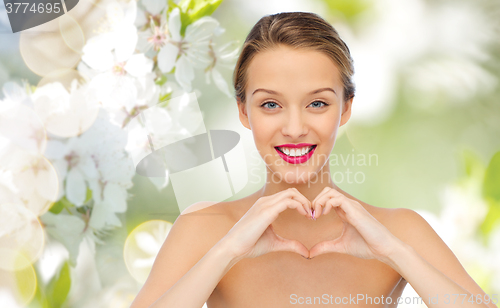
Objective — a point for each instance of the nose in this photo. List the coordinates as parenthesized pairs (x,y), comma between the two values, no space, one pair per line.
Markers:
(295,125)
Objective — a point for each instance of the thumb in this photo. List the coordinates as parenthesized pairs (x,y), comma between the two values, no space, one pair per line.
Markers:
(283,244)
(335,245)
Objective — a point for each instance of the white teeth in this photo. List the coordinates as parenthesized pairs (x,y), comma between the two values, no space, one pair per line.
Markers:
(295,152)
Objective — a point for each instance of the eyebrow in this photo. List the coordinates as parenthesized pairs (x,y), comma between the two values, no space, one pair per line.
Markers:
(277,93)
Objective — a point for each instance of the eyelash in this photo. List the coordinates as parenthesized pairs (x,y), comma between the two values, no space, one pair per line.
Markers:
(325,104)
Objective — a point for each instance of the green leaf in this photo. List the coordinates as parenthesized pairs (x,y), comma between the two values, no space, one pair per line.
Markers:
(59,285)
(192,10)
(161,80)
(351,9)
(39,300)
(89,195)
(185,5)
(164,100)
(491,194)
(203,8)
(473,164)
(57,207)
(491,220)
(26,281)
(491,184)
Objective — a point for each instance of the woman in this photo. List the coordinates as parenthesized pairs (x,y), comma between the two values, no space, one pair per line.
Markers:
(300,239)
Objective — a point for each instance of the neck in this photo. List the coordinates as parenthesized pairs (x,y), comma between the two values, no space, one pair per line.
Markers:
(309,188)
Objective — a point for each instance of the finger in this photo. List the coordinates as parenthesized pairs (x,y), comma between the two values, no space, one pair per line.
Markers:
(270,201)
(333,194)
(341,213)
(325,194)
(306,208)
(334,203)
(335,245)
(289,203)
(321,203)
(283,244)
(294,194)
(317,209)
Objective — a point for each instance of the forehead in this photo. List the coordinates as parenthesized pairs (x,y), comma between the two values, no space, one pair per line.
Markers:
(293,71)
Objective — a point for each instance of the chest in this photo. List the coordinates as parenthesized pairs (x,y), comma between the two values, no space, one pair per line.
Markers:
(284,279)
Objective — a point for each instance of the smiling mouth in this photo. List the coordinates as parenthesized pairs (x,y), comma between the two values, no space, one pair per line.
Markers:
(292,152)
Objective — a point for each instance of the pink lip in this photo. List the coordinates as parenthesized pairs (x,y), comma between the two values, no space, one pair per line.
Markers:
(296,160)
(299,145)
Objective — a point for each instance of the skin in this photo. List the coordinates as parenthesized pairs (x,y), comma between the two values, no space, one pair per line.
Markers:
(265,250)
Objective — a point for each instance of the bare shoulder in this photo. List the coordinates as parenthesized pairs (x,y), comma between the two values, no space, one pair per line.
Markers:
(192,235)
(203,223)
(411,228)
(198,206)
(407,225)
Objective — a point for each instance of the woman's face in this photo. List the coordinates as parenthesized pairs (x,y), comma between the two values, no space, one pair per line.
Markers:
(294,97)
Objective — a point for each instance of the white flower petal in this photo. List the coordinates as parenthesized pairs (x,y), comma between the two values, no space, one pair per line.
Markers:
(87,167)
(219,31)
(167,57)
(55,149)
(174,25)
(130,12)
(126,40)
(97,52)
(116,197)
(47,185)
(199,56)
(102,217)
(68,229)
(220,82)
(184,73)
(154,6)
(140,19)
(61,166)
(138,65)
(13,92)
(76,189)
(201,30)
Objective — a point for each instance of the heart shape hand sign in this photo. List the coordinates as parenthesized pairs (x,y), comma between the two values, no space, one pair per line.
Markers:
(362,236)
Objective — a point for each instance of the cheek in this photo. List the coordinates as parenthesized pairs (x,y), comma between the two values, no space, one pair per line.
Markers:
(327,127)
(262,131)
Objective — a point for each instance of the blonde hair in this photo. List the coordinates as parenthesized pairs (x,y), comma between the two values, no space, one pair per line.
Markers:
(296,30)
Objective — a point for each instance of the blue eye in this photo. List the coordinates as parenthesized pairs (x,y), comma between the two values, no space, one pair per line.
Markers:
(325,104)
(271,104)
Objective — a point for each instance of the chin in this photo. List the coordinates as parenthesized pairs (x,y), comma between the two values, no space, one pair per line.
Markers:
(296,176)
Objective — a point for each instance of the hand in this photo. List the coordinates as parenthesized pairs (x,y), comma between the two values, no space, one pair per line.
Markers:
(253,234)
(362,235)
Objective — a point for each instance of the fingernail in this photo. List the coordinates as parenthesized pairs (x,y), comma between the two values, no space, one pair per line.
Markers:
(310,213)
(313,215)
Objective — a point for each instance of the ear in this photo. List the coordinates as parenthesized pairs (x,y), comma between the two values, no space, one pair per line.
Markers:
(346,111)
(242,108)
